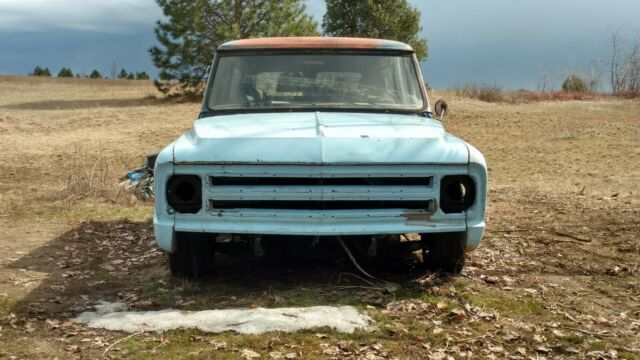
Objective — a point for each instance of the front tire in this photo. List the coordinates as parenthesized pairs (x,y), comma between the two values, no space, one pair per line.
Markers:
(444,252)
(194,255)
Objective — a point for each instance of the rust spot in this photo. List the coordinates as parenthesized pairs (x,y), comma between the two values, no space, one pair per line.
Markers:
(313,43)
(420,217)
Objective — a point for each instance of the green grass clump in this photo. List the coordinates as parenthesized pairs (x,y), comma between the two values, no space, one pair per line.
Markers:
(507,305)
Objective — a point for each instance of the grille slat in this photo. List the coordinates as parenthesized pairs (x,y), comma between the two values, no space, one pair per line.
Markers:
(319,205)
(315,181)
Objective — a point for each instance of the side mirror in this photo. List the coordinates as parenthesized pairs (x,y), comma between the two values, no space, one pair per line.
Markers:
(441,108)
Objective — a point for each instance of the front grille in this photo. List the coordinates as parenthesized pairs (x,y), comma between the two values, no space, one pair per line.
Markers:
(321,188)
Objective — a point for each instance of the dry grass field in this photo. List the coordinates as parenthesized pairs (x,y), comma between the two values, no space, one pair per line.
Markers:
(557,275)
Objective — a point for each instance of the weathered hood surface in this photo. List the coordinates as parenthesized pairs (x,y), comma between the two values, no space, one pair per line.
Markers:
(319,138)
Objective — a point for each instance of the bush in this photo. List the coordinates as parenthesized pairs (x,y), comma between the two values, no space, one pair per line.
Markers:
(530,96)
(492,94)
(574,83)
(495,94)
(628,94)
(95,74)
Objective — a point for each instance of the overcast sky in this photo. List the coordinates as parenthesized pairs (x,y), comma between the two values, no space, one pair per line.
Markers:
(496,42)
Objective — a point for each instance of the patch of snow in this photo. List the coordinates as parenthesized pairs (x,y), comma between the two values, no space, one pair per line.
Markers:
(111,316)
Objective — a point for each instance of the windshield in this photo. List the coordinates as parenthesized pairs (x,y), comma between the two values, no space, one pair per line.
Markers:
(301,81)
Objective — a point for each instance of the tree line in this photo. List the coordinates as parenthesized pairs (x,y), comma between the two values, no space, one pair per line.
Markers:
(66,72)
(621,69)
(192,30)
(624,65)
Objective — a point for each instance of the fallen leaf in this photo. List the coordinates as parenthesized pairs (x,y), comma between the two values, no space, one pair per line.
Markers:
(218,345)
(52,324)
(539,338)
(614,270)
(457,315)
(438,355)
(543,349)
(249,354)
(491,279)
(72,348)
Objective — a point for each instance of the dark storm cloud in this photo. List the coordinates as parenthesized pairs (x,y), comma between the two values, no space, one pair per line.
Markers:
(512,43)
(112,16)
(81,34)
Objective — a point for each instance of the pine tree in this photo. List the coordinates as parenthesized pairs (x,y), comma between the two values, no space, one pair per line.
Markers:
(131,76)
(194,29)
(381,19)
(123,74)
(38,71)
(65,72)
(142,75)
(95,74)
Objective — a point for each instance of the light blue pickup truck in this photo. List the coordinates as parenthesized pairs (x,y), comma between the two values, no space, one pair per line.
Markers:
(306,141)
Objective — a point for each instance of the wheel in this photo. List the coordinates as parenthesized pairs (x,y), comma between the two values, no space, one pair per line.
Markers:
(194,255)
(444,251)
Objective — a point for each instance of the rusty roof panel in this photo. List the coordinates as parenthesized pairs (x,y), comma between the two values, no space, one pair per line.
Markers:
(314,43)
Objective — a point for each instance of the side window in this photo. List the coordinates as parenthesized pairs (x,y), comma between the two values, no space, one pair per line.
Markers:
(410,90)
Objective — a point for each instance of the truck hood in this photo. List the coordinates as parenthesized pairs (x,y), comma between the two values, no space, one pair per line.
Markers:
(319,138)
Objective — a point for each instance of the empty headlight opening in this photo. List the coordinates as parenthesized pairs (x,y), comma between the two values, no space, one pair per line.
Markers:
(457,193)
(184,193)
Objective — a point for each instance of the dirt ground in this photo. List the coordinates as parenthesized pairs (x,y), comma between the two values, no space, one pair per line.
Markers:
(557,275)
